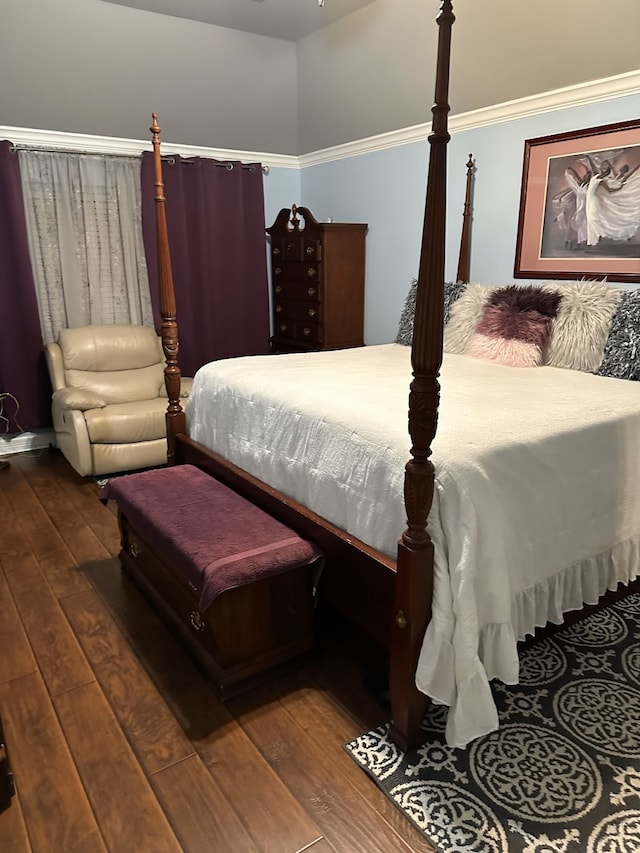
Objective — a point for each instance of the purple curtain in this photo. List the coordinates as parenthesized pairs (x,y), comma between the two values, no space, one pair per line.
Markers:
(23,371)
(216,227)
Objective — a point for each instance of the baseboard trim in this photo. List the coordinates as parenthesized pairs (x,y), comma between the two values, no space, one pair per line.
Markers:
(23,441)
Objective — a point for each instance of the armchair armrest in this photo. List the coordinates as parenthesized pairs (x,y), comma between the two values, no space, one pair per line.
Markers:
(79,399)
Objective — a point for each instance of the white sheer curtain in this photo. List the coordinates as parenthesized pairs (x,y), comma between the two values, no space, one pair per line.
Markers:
(84,226)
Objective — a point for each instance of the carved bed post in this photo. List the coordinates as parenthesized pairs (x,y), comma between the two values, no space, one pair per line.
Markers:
(175,415)
(414,584)
(464,258)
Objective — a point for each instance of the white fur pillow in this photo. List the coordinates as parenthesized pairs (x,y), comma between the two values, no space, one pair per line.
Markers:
(580,329)
(466,313)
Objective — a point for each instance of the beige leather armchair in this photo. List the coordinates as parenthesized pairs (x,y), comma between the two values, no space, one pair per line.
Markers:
(109,399)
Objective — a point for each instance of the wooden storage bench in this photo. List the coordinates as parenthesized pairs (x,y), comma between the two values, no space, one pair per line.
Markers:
(237,585)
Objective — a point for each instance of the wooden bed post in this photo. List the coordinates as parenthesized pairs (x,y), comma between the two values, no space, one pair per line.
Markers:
(175,419)
(464,258)
(414,583)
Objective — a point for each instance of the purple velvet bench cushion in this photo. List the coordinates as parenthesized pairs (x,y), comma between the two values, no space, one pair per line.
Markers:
(215,538)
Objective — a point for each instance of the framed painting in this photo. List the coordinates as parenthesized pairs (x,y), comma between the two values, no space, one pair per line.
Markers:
(580,205)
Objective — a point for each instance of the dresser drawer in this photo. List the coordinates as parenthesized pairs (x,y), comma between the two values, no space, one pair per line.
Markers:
(298,330)
(296,272)
(303,312)
(297,247)
(308,291)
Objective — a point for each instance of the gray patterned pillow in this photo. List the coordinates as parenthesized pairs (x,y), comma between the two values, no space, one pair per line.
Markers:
(622,349)
(452,291)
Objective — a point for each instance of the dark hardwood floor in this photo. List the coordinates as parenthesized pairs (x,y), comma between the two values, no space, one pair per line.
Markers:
(116,740)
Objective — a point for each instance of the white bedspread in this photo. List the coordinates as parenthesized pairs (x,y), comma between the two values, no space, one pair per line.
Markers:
(537,500)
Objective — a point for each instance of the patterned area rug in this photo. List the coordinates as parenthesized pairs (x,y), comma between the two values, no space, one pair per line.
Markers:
(561,774)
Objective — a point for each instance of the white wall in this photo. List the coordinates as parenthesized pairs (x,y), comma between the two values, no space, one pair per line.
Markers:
(84,66)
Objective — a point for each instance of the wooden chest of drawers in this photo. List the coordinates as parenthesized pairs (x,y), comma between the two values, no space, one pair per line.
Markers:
(317,282)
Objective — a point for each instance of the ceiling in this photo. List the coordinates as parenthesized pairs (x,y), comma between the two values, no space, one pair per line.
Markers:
(284,19)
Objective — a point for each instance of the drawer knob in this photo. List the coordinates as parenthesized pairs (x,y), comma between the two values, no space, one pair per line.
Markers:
(401,620)
(311,291)
(197,621)
(276,251)
(277,271)
(133,550)
(306,332)
(283,327)
(311,312)
(278,288)
(310,250)
(311,272)
(278,308)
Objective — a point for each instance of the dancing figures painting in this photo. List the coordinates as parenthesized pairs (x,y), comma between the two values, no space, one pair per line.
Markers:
(580,205)
(597,207)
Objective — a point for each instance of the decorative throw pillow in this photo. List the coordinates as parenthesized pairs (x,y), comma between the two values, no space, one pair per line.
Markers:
(452,291)
(622,349)
(515,326)
(464,316)
(581,328)
(405,326)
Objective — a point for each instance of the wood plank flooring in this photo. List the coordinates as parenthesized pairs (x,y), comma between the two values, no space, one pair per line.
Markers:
(116,740)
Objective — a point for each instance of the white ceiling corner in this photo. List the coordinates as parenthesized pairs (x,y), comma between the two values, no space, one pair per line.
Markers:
(284,19)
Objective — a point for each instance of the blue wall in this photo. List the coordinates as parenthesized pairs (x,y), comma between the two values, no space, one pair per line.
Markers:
(386,189)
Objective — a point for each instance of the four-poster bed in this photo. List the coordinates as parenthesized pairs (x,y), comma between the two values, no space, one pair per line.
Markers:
(409,582)
(387,592)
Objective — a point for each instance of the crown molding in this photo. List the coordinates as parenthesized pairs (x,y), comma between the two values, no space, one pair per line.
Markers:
(571,96)
(87,144)
(579,95)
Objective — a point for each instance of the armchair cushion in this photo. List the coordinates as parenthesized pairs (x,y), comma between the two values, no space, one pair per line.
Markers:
(108,348)
(122,423)
(118,386)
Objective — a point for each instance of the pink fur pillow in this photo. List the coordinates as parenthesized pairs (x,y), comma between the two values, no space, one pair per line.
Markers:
(515,326)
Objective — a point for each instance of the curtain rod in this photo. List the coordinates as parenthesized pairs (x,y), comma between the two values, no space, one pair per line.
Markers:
(18,147)
(166,158)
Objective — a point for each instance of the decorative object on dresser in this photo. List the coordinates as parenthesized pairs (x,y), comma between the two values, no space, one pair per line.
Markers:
(317,279)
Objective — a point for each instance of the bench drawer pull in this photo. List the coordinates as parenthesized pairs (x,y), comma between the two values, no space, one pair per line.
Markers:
(196,620)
